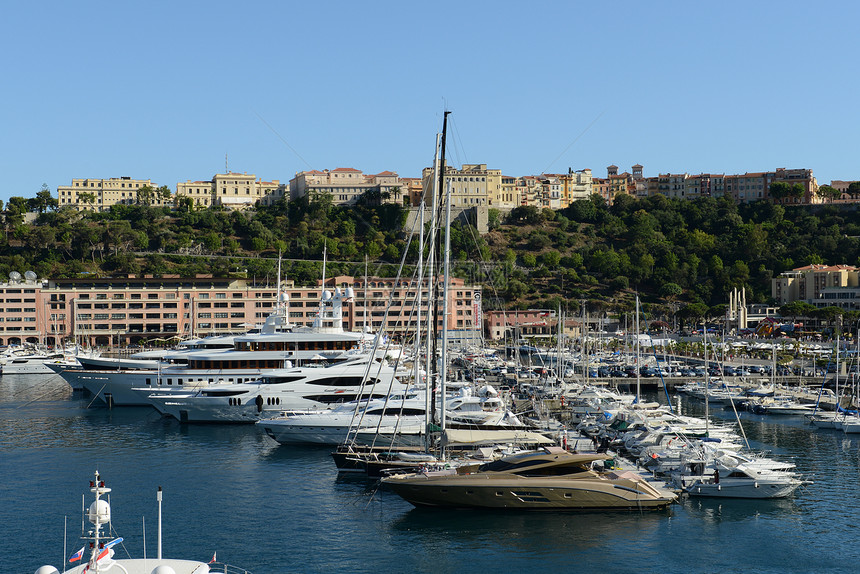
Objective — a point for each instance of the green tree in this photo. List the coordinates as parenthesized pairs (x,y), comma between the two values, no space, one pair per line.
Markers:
(163,193)
(779,190)
(671,291)
(795,309)
(44,200)
(145,195)
(827,192)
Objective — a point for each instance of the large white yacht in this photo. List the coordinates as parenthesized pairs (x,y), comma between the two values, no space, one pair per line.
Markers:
(296,389)
(278,344)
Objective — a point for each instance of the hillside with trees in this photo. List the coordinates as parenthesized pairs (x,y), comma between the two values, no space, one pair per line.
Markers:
(682,256)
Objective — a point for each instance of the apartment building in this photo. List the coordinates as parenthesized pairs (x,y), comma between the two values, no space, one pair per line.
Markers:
(755,186)
(100,194)
(809,283)
(576,185)
(346,185)
(413,190)
(471,185)
(672,185)
(232,190)
(527,324)
(391,304)
(704,185)
(513,193)
(128,310)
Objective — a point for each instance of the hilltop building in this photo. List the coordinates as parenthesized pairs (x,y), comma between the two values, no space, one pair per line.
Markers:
(346,185)
(232,190)
(101,194)
(471,185)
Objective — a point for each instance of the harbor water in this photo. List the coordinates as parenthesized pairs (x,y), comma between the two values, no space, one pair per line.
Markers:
(272,509)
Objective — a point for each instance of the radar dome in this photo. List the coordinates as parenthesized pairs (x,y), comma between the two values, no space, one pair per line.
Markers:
(30,275)
(99,512)
(163,569)
(349,293)
(285,297)
(326,295)
(47,570)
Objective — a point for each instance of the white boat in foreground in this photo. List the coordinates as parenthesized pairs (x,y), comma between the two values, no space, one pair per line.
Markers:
(103,548)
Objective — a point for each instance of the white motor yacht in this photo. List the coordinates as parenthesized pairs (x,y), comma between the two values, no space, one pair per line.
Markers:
(297,388)
(726,475)
(278,344)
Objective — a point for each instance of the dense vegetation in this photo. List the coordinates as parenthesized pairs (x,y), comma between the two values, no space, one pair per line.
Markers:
(678,254)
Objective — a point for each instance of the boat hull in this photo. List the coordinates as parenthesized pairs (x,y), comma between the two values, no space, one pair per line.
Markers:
(526,493)
(742,488)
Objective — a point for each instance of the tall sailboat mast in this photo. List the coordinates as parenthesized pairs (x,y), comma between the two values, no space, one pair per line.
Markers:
(638,353)
(434,314)
(446,276)
(429,412)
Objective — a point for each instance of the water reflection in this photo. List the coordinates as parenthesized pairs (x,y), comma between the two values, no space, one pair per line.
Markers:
(716,510)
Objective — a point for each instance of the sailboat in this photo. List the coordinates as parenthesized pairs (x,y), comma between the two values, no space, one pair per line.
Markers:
(445,415)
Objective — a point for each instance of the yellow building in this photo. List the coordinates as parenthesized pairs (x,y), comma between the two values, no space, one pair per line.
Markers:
(808,283)
(101,194)
(576,185)
(231,190)
(346,185)
(471,185)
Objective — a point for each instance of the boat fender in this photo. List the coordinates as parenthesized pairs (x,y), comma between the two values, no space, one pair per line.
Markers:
(756,484)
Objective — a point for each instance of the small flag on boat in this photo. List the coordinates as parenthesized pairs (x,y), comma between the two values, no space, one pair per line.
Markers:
(214,555)
(77,555)
(103,553)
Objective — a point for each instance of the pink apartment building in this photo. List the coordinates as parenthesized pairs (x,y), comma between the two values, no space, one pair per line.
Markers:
(130,310)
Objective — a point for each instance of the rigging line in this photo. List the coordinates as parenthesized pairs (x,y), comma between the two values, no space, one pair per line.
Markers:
(576,139)
(459,148)
(492,284)
(283,140)
(383,326)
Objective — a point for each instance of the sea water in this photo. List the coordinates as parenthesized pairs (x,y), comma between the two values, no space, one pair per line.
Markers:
(270,508)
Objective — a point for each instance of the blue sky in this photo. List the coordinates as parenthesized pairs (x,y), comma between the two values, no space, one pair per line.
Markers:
(163,90)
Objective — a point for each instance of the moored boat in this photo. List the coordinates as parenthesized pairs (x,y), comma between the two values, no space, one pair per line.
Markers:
(550,478)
